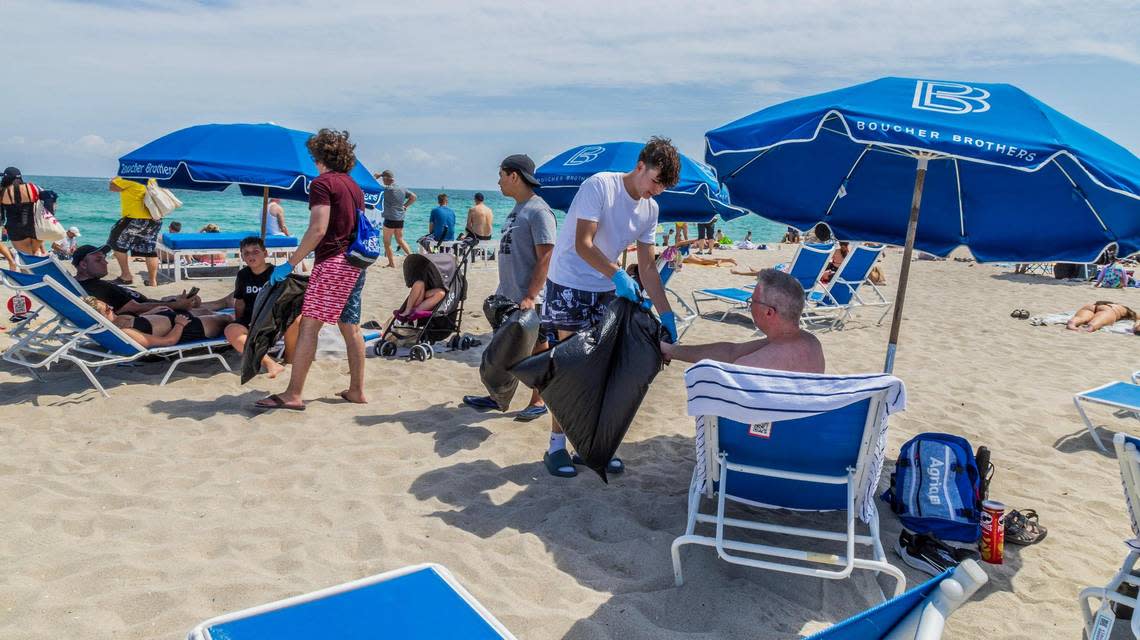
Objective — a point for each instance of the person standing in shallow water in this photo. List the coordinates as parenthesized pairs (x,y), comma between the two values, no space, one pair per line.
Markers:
(334,292)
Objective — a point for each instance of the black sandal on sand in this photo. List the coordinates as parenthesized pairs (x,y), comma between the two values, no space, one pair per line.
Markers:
(556,461)
(126,283)
(1022,527)
(275,402)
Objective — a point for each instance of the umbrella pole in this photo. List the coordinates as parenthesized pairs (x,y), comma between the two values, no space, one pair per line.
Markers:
(904,273)
(264,210)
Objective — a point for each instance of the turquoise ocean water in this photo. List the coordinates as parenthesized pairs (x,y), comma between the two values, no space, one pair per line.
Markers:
(88,204)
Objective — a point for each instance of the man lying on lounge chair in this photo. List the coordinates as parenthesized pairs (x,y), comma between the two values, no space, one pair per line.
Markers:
(777,302)
(91,266)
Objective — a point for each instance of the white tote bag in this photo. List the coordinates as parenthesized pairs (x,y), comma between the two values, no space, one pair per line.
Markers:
(48,229)
(159,201)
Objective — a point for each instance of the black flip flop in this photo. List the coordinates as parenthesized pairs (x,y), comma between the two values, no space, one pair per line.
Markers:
(1023,528)
(555,461)
(275,402)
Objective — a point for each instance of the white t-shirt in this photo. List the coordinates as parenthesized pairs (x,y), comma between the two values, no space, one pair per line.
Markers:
(602,198)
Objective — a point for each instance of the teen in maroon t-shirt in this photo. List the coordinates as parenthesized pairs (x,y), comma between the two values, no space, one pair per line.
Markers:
(333,295)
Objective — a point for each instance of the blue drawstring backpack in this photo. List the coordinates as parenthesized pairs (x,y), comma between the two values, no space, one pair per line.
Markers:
(365,247)
(936,487)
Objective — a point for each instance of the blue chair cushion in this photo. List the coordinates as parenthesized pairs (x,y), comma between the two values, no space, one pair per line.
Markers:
(825,444)
(415,605)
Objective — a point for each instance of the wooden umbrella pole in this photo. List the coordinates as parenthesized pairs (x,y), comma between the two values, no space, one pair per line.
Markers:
(264,211)
(904,273)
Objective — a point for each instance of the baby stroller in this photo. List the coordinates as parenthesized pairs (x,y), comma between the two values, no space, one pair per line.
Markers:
(438,271)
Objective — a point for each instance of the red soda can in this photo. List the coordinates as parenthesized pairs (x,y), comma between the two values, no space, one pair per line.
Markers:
(992,544)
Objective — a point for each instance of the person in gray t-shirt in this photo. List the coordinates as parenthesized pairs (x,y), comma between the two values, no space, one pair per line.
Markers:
(528,232)
(525,246)
(394,204)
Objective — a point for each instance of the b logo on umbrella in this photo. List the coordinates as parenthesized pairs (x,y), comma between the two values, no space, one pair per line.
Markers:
(949,97)
(584,155)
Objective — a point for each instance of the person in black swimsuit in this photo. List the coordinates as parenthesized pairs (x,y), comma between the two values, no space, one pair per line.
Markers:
(163,327)
(17,208)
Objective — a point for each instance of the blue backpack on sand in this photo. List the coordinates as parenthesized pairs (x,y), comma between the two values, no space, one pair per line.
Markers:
(365,247)
(936,487)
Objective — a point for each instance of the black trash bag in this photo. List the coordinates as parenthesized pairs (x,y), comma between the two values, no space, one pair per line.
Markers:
(594,382)
(496,308)
(274,309)
(513,341)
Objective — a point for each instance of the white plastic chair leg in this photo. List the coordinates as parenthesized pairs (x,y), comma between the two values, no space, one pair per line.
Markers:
(1089,424)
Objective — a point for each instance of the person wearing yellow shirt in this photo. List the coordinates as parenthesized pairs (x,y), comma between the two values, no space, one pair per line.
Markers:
(136,233)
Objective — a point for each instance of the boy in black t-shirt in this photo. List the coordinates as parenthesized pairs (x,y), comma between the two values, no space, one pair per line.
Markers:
(248,283)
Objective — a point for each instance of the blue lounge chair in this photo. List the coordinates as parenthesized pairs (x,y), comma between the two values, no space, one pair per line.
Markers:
(50,266)
(830,305)
(918,614)
(758,443)
(1123,396)
(807,267)
(418,602)
(79,335)
(1128,457)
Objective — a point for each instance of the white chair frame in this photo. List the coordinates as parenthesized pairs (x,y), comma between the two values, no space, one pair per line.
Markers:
(1129,459)
(58,340)
(810,563)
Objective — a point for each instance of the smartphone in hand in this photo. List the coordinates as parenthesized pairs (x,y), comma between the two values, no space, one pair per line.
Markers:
(192,292)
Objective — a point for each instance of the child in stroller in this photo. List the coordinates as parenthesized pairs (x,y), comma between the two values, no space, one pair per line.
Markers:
(433,310)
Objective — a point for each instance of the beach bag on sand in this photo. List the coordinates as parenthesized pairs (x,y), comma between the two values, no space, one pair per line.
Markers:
(159,201)
(513,341)
(936,487)
(594,381)
(365,247)
(47,228)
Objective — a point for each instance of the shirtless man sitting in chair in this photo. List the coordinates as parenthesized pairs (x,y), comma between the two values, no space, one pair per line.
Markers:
(777,302)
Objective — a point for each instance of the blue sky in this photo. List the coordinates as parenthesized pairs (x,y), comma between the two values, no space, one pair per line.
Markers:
(440,92)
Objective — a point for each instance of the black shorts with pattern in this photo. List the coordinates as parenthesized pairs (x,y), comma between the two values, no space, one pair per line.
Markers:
(570,309)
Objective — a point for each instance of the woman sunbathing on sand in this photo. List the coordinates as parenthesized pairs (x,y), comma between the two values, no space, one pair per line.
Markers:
(708,262)
(1100,314)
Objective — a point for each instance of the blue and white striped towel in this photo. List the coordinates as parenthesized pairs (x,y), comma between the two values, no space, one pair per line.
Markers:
(751,395)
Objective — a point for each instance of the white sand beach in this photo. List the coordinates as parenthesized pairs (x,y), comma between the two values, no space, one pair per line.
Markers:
(140,515)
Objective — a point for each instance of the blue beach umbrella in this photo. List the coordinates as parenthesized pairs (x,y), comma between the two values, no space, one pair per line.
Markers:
(697,197)
(262,159)
(989,166)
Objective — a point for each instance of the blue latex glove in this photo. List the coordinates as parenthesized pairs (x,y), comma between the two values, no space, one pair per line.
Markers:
(280,272)
(669,321)
(625,287)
